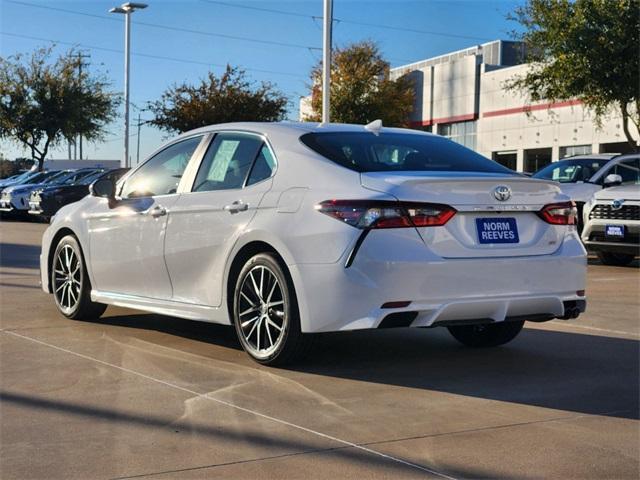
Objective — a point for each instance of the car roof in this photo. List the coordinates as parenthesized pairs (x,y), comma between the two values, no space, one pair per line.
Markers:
(627,156)
(293,128)
(594,156)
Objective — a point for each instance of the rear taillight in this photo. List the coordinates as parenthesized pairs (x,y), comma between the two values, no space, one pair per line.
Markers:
(367,214)
(564,213)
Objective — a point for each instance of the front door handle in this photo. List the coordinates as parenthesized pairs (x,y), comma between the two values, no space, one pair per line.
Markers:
(157,211)
(236,207)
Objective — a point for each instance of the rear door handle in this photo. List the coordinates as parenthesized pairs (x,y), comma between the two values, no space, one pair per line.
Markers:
(157,211)
(236,207)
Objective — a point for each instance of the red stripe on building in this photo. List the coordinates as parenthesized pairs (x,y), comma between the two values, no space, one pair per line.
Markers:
(496,113)
(531,108)
(457,118)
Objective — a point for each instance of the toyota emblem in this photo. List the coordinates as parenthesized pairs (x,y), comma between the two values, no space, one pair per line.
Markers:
(502,193)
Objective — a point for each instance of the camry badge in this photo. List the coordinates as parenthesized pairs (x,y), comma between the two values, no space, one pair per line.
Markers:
(617,204)
(502,193)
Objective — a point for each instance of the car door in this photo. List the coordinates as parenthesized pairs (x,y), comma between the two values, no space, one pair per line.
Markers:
(127,238)
(203,225)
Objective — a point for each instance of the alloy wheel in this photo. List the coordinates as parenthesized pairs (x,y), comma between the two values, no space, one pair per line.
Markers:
(67,276)
(262,312)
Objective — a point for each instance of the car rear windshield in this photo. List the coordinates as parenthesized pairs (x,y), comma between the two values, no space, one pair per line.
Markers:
(398,152)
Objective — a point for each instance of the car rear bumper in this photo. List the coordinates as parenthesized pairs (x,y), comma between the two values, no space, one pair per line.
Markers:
(395,266)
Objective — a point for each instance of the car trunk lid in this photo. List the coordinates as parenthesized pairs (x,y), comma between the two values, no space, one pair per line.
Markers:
(484,225)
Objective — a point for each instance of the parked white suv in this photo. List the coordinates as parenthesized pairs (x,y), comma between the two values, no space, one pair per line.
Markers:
(580,177)
(612,224)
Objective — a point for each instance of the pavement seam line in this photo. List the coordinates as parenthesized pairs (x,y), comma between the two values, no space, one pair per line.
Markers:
(498,427)
(226,464)
(237,407)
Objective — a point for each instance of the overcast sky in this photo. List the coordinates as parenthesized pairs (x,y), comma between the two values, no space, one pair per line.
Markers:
(275,41)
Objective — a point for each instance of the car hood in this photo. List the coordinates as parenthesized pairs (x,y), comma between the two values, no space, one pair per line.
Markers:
(625,192)
(579,192)
(22,187)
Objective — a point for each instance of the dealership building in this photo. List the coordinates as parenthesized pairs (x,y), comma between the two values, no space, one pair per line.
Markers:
(462,95)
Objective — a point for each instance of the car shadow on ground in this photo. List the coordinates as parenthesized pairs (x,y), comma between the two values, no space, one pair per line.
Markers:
(14,255)
(586,374)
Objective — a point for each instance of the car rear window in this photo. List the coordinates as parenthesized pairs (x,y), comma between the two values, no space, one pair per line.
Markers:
(398,152)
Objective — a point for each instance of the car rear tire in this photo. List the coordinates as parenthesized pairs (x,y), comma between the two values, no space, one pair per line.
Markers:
(265,313)
(70,282)
(486,335)
(617,259)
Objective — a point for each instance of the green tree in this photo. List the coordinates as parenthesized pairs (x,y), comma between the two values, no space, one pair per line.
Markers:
(583,49)
(361,88)
(44,101)
(228,98)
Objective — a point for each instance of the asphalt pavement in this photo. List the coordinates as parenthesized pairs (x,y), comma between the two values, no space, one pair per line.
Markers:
(138,395)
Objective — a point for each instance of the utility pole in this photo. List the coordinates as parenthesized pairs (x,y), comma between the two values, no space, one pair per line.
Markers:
(326,60)
(81,56)
(138,149)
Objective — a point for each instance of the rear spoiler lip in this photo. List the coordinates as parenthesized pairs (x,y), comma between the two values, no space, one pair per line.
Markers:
(458,176)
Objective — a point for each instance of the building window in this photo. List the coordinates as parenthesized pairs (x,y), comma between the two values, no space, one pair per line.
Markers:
(575,150)
(463,133)
(506,159)
(536,158)
(620,147)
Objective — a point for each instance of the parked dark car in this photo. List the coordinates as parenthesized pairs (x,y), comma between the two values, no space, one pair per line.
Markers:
(14,200)
(45,202)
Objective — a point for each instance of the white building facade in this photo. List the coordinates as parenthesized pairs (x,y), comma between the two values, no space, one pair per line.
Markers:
(462,96)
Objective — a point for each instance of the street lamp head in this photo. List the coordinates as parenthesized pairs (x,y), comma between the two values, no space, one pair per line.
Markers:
(134,6)
(128,7)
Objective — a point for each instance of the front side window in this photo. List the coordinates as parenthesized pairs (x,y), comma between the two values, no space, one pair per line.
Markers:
(571,171)
(161,174)
(227,162)
(37,178)
(629,170)
(75,177)
(389,152)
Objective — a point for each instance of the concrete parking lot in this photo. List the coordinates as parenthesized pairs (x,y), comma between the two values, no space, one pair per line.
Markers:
(141,395)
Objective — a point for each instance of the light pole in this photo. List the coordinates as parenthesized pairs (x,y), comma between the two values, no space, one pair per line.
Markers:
(326,59)
(127,9)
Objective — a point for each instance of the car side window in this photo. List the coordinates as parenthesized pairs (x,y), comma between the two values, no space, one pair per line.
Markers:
(161,174)
(629,170)
(227,162)
(263,166)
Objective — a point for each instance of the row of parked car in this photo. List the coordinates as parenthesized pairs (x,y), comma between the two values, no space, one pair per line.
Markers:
(606,190)
(42,194)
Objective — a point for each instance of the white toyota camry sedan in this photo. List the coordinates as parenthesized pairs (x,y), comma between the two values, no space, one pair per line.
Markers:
(287,229)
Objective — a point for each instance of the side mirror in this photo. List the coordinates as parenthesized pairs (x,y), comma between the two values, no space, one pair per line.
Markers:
(104,188)
(612,180)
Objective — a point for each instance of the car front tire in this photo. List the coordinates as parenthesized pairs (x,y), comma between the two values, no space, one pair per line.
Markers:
(265,312)
(70,282)
(616,259)
(486,335)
